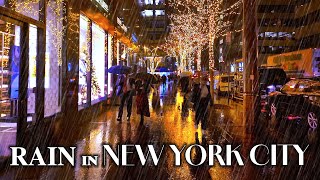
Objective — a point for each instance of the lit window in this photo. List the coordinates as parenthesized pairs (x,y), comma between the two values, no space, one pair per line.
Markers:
(97,64)
(271,34)
(147,13)
(159,12)
(232,68)
(285,34)
(158,2)
(147,2)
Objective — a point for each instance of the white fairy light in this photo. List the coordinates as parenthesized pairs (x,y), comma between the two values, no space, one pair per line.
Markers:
(195,24)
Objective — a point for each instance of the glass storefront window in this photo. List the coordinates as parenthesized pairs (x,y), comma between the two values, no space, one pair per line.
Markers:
(118,52)
(9,70)
(53,58)
(10,59)
(98,63)
(110,55)
(84,61)
(32,72)
(92,63)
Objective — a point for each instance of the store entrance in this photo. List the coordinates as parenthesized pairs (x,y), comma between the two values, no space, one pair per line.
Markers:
(10,74)
(9,83)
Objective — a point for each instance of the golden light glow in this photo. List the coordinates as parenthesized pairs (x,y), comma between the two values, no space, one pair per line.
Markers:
(194,26)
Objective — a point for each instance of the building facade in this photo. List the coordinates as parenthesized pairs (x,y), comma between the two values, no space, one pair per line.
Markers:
(284,26)
(54,59)
(155,20)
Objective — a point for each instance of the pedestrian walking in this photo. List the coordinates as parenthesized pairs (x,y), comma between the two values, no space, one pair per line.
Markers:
(164,79)
(196,90)
(143,88)
(184,84)
(120,84)
(202,100)
(127,95)
(156,86)
(175,80)
(185,104)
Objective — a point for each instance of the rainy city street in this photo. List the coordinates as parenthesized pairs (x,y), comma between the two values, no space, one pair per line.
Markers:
(166,125)
(159,89)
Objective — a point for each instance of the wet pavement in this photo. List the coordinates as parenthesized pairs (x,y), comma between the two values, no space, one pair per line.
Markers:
(167,125)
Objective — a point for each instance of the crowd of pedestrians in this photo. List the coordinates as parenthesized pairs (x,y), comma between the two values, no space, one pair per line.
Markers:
(196,95)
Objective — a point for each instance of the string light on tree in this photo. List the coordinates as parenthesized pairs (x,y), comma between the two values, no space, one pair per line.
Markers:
(196,24)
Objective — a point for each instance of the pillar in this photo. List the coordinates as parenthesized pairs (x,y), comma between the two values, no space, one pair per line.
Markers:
(250,56)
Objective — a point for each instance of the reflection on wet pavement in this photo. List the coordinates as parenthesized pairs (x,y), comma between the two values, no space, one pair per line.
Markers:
(165,126)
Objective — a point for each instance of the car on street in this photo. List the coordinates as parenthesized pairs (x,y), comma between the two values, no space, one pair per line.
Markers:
(298,103)
(270,79)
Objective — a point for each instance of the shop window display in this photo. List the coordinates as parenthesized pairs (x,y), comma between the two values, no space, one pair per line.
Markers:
(92,66)
(9,69)
(54,37)
(10,59)
(110,55)
(98,64)
(84,61)
(118,51)
(32,72)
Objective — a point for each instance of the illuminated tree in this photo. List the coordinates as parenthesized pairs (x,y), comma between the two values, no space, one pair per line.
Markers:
(197,23)
(184,39)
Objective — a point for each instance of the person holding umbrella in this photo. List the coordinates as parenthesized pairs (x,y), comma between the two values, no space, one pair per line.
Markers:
(125,87)
(142,88)
(127,95)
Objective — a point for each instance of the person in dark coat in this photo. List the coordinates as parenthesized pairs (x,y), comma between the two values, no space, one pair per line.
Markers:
(195,93)
(142,89)
(202,100)
(128,90)
(184,82)
(164,79)
(120,84)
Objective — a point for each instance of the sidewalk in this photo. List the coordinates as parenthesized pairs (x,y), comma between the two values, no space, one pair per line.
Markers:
(165,126)
(227,124)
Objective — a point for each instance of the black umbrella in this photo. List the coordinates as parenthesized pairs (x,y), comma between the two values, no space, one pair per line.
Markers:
(148,77)
(119,69)
(162,69)
(185,78)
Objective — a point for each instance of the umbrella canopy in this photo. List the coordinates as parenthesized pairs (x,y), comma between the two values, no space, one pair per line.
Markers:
(119,69)
(148,77)
(162,69)
(185,78)
(186,74)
